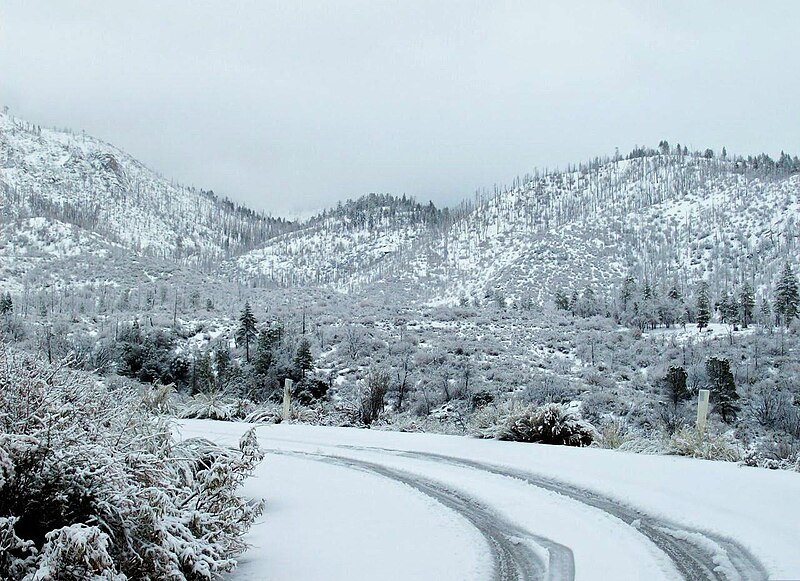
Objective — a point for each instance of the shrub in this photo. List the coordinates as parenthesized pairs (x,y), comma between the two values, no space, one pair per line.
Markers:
(211,406)
(481,399)
(159,398)
(265,413)
(690,442)
(486,421)
(373,397)
(93,487)
(548,424)
(613,434)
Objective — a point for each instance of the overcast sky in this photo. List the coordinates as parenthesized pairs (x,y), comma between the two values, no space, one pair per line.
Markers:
(293,106)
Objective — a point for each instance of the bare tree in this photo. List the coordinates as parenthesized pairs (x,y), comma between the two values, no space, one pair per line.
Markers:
(373,398)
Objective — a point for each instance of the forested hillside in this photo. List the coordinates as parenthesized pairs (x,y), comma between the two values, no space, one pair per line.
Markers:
(665,216)
(68,177)
(599,298)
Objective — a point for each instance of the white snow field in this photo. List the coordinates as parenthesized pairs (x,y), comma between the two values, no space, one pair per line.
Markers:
(349,504)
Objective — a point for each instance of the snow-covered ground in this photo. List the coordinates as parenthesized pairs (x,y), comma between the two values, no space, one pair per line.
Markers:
(360,504)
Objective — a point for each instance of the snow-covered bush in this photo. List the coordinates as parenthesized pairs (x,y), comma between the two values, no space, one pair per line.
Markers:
(645,445)
(613,434)
(266,413)
(159,398)
(485,422)
(92,486)
(75,553)
(778,451)
(211,406)
(691,442)
(548,424)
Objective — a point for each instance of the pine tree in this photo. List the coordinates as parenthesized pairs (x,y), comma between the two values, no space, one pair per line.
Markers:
(747,303)
(6,304)
(703,306)
(675,385)
(264,356)
(787,298)
(723,388)
(303,360)
(728,308)
(573,302)
(647,292)
(561,300)
(222,362)
(766,312)
(246,333)
(202,374)
(628,289)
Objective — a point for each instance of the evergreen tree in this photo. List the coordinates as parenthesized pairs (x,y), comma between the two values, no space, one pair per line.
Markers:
(562,301)
(264,356)
(202,374)
(787,299)
(6,304)
(274,334)
(747,303)
(222,362)
(303,360)
(573,302)
(675,385)
(246,333)
(587,306)
(647,291)
(723,388)
(726,307)
(628,289)
(703,306)
(766,312)
(670,307)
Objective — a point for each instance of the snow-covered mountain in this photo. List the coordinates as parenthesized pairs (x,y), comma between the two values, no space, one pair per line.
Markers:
(667,216)
(75,179)
(662,216)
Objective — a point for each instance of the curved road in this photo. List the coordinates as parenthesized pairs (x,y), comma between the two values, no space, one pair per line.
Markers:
(696,555)
(514,558)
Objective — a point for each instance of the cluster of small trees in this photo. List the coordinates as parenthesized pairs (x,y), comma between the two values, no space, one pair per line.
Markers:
(719,381)
(275,358)
(646,308)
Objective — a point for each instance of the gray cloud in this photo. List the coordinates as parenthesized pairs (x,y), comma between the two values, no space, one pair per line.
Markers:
(291,106)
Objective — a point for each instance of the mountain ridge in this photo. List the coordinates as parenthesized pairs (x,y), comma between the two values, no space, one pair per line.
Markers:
(659,214)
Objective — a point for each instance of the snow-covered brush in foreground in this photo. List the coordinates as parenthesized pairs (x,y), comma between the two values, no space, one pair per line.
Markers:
(93,486)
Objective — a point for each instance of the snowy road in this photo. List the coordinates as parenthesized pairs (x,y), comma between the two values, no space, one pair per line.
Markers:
(360,504)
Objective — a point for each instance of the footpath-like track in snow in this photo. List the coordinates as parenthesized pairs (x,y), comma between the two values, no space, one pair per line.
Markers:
(697,555)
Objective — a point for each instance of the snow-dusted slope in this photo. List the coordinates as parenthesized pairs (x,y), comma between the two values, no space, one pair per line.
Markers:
(663,217)
(80,180)
(355,244)
(667,217)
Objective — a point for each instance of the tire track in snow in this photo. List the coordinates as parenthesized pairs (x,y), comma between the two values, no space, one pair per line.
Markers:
(695,560)
(514,559)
